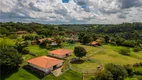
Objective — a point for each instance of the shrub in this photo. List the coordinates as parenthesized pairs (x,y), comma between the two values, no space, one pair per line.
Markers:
(129,69)
(139,77)
(105,75)
(138,64)
(118,71)
(129,43)
(25,51)
(29,37)
(14,36)
(138,72)
(137,49)
(124,51)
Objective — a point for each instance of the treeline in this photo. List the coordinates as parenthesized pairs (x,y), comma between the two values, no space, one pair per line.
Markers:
(119,72)
(126,34)
(9,28)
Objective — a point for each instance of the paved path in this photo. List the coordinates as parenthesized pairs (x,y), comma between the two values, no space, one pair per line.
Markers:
(57,72)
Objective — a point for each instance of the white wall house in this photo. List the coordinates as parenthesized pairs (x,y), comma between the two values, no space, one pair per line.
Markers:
(45,64)
(60,53)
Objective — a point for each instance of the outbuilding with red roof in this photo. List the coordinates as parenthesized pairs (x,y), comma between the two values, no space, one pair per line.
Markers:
(60,53)
(94,43)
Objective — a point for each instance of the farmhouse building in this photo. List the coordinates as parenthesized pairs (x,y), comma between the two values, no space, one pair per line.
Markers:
(45,64)
(60,53)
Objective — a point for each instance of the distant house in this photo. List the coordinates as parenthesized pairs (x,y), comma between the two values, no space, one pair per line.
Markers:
(51,41)
(45,64)
(33,42)
(70,40)
(94,43)
(60,53)
(21,32)
(41,40)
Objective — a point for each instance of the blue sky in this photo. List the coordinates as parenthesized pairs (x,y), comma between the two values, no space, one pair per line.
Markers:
(71,11)
(65,1)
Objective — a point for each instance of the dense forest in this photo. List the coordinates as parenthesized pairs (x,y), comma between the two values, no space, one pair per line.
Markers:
(131,32)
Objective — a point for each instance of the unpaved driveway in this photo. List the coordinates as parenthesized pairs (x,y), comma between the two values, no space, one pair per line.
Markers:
(57,72)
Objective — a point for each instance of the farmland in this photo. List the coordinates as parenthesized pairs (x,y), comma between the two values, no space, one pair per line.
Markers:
(97,51)
(108,54)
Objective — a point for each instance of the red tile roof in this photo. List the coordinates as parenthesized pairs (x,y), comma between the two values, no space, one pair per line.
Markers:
(44,61)
(61,51)
(50,39)
(95,43)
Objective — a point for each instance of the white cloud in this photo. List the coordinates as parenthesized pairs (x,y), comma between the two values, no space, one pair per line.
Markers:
(99,11)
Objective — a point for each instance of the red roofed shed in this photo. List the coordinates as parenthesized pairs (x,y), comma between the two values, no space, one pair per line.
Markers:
(95,43)
(60,53)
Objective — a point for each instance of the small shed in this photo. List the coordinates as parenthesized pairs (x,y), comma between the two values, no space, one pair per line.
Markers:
(94,43)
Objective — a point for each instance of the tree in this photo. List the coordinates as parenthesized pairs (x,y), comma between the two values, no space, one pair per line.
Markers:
(118,71)
(104,75)
(106,39)
(61,33)
(119,40)
(28,37)
(124,51)
(80,37)
(129,69)
(9,57)
(94,37)
(129,43)
(21,45)
(137,49)
(86,39)
(59,40)
(79,52)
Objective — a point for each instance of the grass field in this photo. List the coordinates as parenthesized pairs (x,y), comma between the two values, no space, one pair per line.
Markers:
(23,74)
(136,55)
(69,75)
(85,65)
(110,55)
(8,41)
(38,51)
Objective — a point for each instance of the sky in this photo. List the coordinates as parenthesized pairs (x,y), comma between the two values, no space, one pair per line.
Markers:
(71,11)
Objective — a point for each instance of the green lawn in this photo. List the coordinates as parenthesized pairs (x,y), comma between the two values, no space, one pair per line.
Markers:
(85,65)
(69,75)
(137,54)
(35,49)
(8,41)
(110,55)
(22,74)
(131,79)
(117,48)
(138,69)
